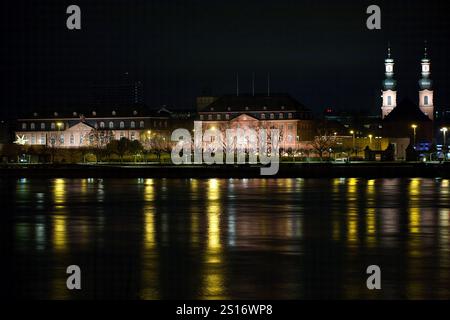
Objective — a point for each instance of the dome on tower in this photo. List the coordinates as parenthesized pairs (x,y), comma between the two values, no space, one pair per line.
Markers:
(389,84)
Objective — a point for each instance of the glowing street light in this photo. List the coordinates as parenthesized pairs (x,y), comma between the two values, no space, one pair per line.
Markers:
(414,127)
(354,142)
(370,139)
(444,132)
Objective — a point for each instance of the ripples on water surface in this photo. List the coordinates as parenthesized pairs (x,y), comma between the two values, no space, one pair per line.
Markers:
(227,238)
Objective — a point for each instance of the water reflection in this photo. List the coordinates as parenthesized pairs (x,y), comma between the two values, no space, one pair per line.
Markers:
(232,238)
(213,269)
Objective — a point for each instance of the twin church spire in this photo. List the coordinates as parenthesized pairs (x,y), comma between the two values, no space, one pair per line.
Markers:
(389,92)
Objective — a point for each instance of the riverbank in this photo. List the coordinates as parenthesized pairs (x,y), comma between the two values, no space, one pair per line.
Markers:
(287,170)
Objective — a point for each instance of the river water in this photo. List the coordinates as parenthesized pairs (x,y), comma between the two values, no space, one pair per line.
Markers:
(226,238)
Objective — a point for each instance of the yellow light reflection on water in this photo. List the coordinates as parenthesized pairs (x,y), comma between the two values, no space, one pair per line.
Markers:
(59,191)
(149,274)
(414,220)
(371,227)
(60,215)
(352,210)
(59,233)
(414,187)
(149,220)
(213,271)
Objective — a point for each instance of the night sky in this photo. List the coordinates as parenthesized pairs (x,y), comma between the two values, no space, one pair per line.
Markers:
(318,51)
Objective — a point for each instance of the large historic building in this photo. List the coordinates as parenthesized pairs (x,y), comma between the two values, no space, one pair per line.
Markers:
(78,129)
(389,91)
(279,111)
(408,119)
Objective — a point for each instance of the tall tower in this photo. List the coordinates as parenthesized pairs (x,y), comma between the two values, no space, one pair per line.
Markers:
(389,92)
(426,103)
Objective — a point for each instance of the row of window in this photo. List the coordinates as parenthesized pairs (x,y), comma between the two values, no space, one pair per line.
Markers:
(227,116)
(61,141)
(102,125)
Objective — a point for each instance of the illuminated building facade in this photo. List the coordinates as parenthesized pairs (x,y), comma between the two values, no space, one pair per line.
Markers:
(389,91)
(279,111)
(84,129)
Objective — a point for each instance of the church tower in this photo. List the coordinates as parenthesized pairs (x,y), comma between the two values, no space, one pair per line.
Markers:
(389,92)
(426,103)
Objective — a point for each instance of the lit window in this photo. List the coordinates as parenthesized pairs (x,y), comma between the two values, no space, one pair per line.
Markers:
(53,126)
(227,116)
(141,124)
(280,116)
(218,117)
(290,115)
(32,126)
(42,138)
(132,124)
(61,139)
(122,125)
(102,124)
(272,116)
(389,100)
(42,126)
(111,125)
(263,116)
(33,139)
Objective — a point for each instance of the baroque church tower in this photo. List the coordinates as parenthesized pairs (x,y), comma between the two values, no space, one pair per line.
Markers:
(389,92)
(426,103)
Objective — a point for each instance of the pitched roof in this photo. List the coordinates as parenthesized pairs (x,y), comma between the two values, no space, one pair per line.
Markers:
(406,110)
(247,102)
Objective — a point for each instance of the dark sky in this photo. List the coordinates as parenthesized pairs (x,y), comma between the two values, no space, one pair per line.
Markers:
(318,51)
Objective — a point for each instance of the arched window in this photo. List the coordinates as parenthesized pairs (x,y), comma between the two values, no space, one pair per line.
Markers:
(42,126)
(102,125)
(111,125)
(24,126)
(32,126)
(141,124)
(272,116)
(122,124)
(263,116)
(280,116)
(132,124)
(52,126)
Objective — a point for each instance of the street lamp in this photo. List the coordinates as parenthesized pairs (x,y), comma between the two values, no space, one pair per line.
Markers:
(414,127)
(353,134)
(444,132)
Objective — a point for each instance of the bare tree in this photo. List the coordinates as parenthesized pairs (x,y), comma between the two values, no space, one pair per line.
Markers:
(323,142)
